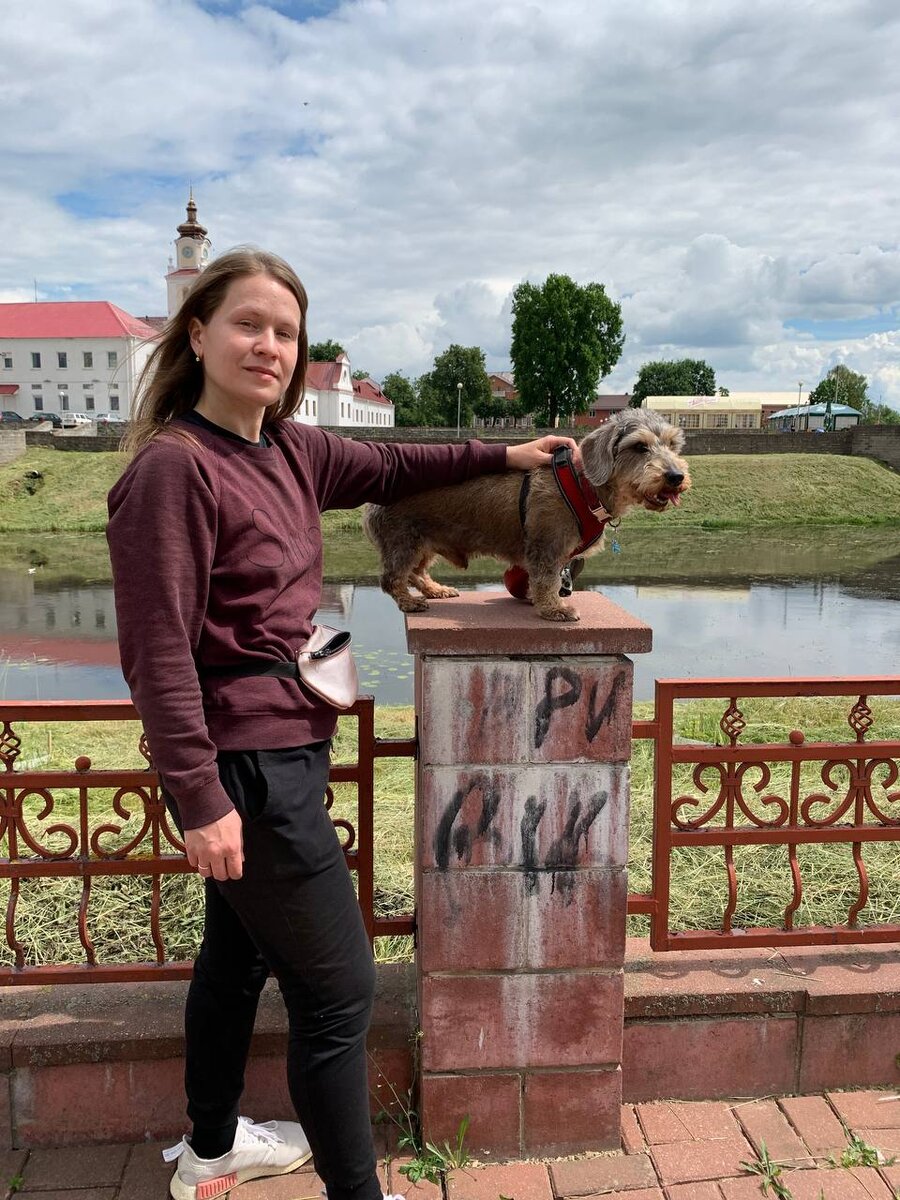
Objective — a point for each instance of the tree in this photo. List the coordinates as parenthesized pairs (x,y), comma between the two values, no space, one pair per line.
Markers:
(438,388)
(565,339)
(881,414)
(325,351)
(843,386)
(360,374)
(684,377)
(408,408)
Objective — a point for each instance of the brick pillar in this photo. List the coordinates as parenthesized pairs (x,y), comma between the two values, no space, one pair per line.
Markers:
(521,844)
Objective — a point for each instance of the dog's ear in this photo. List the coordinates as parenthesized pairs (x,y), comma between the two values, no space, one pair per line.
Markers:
(598,452)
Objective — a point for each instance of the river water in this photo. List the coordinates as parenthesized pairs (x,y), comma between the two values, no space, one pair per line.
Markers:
(725,604)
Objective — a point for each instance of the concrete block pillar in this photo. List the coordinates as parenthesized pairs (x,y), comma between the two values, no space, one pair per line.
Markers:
(521,845)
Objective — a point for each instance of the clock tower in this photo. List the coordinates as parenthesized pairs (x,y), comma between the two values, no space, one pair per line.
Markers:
(192,248)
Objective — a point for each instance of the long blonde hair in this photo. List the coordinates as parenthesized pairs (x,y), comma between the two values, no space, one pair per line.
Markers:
(172,380)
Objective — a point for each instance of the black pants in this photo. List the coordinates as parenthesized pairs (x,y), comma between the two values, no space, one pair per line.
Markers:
(294,913)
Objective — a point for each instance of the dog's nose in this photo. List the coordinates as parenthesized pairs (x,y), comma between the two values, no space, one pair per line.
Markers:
(674,477)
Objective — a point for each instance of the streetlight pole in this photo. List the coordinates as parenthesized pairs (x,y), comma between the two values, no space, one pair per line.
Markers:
(458,407)
(799,394)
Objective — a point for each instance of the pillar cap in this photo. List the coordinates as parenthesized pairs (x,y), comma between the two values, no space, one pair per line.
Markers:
(493,623)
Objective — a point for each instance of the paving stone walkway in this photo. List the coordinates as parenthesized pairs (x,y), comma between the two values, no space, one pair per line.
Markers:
(671,1151)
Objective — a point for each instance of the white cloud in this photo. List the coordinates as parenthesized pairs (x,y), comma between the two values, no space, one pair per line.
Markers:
(722,168)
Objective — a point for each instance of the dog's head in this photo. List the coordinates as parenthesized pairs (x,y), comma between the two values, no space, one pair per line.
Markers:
(634,459)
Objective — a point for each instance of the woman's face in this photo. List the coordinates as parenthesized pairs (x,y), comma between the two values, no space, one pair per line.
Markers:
(249,345)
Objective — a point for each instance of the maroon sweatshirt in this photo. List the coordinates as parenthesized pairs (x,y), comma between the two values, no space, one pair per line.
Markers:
(216,553)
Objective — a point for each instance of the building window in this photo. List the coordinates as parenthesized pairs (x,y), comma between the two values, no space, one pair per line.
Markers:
(88,358)
(89,403)
(38,402)
(721,421)
(689,420)
(7,362)
(745,421)
(113,402)
(35,360)
(37,387)
(64,401)
(62,359)
(314,408)
(112,358)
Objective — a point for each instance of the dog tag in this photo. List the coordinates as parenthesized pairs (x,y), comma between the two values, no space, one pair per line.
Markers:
(615,547)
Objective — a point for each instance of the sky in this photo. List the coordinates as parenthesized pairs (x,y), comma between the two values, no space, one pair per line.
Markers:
(728,171)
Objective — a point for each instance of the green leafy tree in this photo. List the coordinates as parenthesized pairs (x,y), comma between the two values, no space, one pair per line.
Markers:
(881,414)
(360,374)
(325,351)
(438,388)
(843,386)
(409,410)
(565,339)
(682,377)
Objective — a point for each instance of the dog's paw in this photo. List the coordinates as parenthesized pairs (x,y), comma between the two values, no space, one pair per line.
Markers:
(411,604)
(564,612)
(443,593)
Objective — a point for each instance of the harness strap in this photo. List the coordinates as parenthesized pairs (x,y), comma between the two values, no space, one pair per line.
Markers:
(581,499)
(523,496)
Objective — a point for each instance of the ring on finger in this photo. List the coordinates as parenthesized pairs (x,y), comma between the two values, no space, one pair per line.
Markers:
(205,870)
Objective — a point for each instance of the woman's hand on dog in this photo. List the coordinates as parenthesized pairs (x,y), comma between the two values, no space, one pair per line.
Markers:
(539,453)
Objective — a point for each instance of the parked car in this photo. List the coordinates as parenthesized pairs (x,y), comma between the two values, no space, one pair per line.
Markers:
(8,417)
(72,420)
(105,419)
(53,418)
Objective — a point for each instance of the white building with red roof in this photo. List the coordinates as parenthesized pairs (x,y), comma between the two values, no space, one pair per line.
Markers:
(334,398)
(70,356)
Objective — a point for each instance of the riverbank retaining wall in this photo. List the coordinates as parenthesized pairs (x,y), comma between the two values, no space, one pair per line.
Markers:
(880,442)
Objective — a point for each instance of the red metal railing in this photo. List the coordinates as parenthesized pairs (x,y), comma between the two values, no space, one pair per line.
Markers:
(38,845)
(729,804)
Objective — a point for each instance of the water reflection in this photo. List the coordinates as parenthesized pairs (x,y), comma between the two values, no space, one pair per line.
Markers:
(59,643)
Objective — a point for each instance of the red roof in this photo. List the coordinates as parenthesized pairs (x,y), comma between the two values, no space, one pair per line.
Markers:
(323,376)
(70,319)
(368,389)
(8,389)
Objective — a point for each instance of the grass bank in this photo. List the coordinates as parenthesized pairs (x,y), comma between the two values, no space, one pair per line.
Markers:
(48,909)
(731,491)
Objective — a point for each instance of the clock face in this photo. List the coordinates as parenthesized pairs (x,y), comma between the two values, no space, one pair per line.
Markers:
(188,252)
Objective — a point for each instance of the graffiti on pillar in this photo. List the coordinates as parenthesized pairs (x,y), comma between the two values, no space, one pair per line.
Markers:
(470,817)
(558,698)
(562,855)
(459,836)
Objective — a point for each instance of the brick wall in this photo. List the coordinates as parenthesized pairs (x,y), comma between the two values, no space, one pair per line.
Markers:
(12,445)
(881,442)
(878,441)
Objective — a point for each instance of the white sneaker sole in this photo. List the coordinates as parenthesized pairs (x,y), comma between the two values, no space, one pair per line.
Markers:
(211,1189)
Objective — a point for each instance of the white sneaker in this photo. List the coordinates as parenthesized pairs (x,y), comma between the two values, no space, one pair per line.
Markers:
(276,1148)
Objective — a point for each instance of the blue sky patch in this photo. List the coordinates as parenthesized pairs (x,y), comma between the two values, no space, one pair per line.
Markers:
(848,328)
(120,195)
(297,10)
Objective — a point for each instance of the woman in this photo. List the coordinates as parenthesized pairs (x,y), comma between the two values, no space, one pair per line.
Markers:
(216,549)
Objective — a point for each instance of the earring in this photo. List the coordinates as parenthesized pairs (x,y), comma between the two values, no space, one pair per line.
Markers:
(196,358)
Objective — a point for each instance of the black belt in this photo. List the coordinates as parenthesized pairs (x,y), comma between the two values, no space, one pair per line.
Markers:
(284,670)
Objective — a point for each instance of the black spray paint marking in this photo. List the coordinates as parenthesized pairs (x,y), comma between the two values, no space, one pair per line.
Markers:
(534,813)
(554,702)
(460,839)
(607,712)
(564,851)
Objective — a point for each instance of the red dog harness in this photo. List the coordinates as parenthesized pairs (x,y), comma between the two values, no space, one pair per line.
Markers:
(582,500)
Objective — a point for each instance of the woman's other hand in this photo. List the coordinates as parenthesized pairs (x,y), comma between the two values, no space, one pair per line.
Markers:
(539,453)
(216,851)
